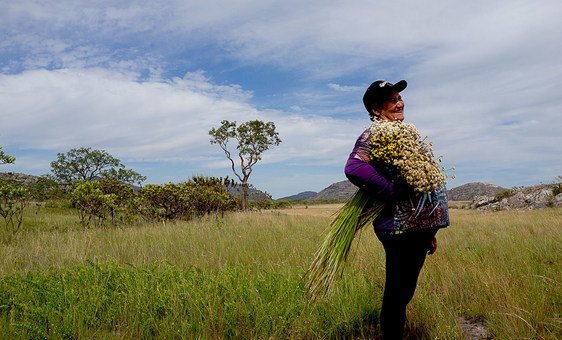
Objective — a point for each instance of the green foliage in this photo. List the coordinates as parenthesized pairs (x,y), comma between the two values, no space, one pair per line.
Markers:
(557,189)
(253,139)
(124,198)
(46,188)
(264,204)
(160,301)
(85,164)
(92,203)
(261,204)
(328,264)
(13,199)
(164,202)
(504,194)
(183,201)
(282,204)
(241,277)
(210,195)
(6,159)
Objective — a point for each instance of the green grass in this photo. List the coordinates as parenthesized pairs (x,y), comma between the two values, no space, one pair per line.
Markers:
(241,276)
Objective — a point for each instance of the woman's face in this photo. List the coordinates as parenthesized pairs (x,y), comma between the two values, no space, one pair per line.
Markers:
(392,109)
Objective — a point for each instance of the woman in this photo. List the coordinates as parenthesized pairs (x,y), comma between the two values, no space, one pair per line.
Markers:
(405,249)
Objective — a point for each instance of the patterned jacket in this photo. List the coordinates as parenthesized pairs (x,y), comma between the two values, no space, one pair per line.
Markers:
(397,216)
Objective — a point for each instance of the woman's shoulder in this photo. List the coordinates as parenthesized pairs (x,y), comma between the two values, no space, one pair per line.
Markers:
(365,136)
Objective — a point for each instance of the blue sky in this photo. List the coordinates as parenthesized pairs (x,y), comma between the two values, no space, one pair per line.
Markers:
(146,80)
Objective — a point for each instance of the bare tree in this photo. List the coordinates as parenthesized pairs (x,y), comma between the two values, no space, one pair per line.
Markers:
(254,138)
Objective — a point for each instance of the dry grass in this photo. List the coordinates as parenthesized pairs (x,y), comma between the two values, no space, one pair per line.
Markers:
(320,210)
(502,268)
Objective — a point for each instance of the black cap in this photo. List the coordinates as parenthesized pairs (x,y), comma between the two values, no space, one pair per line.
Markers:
(379,91)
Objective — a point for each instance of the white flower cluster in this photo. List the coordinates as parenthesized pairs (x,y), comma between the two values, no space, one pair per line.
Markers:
(400,145)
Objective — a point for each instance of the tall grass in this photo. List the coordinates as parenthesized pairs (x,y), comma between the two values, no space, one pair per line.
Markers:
(329,261)
(242,276)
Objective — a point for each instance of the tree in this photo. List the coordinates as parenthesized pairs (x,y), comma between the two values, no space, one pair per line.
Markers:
(13,198)
(92,203)
(254,138)
(85,164)
(6,159)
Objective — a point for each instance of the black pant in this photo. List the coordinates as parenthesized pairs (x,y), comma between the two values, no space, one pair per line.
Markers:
(405,255)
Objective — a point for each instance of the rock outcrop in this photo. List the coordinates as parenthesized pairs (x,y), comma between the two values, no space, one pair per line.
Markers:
(533,197)
(469,191)
(18,178)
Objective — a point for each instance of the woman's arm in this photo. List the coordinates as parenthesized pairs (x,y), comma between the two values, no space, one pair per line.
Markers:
(361,173)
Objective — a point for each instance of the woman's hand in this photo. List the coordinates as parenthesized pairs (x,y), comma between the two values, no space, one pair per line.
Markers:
(433,246)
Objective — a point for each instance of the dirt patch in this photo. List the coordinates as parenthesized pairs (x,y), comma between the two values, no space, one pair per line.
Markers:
(473,329)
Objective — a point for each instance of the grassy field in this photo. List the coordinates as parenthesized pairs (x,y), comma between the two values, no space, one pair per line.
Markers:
(241,277)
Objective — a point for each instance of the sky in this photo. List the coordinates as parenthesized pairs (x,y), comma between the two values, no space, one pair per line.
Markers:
(147,80)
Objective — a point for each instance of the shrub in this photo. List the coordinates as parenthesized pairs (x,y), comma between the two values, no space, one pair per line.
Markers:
(13,199)
(557,189)
(46,188)
(163,202)
(92,203)
(504,194)
(123,198)
(210,195)
(197,197)
(261,204)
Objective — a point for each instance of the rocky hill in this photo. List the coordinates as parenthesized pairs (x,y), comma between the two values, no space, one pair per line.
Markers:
(340,191)
(301,196)
(533,197)
(467,192)
(18,178)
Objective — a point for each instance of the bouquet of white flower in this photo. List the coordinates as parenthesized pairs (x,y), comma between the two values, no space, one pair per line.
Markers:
(399,148)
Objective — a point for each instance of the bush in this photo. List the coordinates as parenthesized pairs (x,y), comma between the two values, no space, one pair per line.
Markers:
(210,195)
(261,204)
(92,203)
(163,202)
(557,189)
(46,188)
(123,207)
(270,204)
(13,199)
(196,197)
(504,194)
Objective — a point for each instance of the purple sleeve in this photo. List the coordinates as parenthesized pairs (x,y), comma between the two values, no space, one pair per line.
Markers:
(360,172)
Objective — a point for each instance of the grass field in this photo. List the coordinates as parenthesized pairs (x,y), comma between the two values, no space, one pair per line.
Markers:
(241,277)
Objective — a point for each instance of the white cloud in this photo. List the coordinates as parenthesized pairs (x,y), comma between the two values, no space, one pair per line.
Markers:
(148,120)
(483,76)
(66,108)
(345,88)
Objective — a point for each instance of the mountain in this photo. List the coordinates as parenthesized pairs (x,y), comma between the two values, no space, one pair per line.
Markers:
(467,192)
(301,196)
(344,190)
(340,191)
